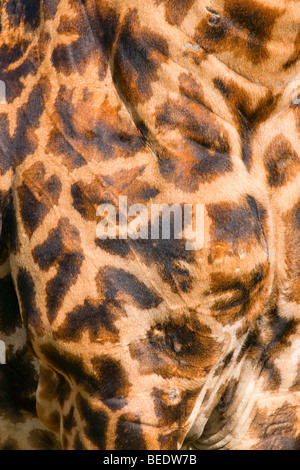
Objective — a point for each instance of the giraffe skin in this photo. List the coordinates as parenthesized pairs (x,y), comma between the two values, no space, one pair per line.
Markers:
(142,344)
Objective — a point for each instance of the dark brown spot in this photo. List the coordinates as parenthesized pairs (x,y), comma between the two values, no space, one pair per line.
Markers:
(63,387)
(244,28)
(129,434)
(67,273)
(61,240)
(113,382)
(63,250)
(18,380)
(168,256)
(10,318)
(95,423)
(247,112)
(114,247)
(11,53)
(31,315)
(292,253)
(257,19)
(104,22)
(191,89)
(37,196)
(7,159)
(277,431)
(119,285)
(170,441)
(95,317)
(168,413)
(78,443)
(15,76)
(50,8)
(69,421)
(292,61)
(28,12)
(24,141)
(281,162)
(72,369)
(242,293)
(9,444)
(87,197)
(58,145)
(40,439)
(266,341)
(139,53)
(176,10)
(200,152)
(76,55)
(11,230)
(96,130)
(180,347)
(235,225)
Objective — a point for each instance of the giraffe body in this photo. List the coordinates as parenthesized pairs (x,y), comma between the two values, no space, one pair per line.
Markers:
(142,344)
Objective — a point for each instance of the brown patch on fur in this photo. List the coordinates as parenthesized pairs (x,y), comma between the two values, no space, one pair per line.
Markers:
(190,89)
(114,386)
(236,225)
(176,10)
(171,407)
(93,316)
(292,253)
(181,347)
(139,54)
(62,249)
(282,163)
(278,431)
(200,152)
(244,28)
(292,61)
(41,439)
(9,444)
(76,54)
(88,196)
(247,115)
(99,132)
(37,195)
(242,294)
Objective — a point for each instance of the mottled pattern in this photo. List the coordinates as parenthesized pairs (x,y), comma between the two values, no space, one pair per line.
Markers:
(133,344)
